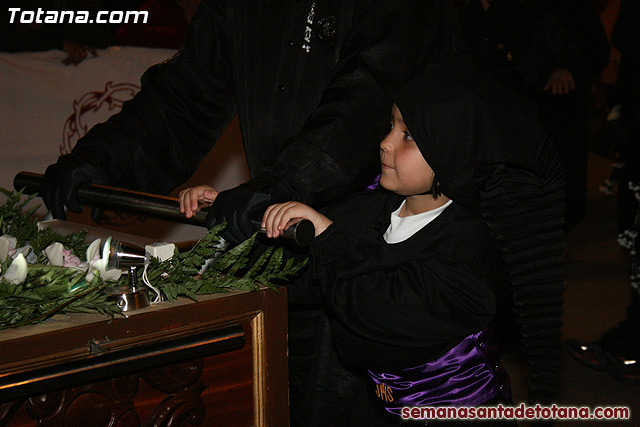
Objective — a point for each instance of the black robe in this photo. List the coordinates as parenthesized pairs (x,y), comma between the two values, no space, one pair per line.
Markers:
(398,305)
(309,80)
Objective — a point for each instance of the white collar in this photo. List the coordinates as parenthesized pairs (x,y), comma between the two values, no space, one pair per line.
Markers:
(401,228)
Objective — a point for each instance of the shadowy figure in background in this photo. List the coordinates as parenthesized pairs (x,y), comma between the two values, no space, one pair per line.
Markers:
(518,44)
(529,47)
(78,40)
(499,34)
(565,109)
(167,25)
(618,351)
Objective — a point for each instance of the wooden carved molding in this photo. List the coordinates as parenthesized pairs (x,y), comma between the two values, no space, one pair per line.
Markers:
(111,403)
(184,403)
(180,408)
(173,378)
(105,403)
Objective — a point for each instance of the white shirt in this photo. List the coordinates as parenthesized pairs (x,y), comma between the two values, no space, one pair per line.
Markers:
(401,228)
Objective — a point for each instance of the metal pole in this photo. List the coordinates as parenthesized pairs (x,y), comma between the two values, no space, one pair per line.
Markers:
(151,205)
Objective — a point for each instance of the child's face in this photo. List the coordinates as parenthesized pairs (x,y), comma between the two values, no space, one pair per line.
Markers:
(404,170)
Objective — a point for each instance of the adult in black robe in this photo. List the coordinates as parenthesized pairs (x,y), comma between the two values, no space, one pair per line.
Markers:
(309,80)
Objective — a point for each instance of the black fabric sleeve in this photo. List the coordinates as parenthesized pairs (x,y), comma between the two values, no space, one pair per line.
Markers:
(160,137)
(424,301)
(525,212)
(390,43)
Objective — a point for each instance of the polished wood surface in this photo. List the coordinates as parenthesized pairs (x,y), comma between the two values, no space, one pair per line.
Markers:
(220,361)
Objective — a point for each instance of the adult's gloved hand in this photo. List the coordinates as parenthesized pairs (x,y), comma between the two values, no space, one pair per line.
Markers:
(238,205)
(63,178)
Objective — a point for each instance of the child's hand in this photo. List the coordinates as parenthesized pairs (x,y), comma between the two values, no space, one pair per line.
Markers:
(279,217)
(195,198)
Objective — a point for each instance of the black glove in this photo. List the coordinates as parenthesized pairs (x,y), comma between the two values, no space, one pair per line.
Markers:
(238,205)
(62,180)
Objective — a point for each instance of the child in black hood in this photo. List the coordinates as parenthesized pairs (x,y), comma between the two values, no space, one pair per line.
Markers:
(471,188)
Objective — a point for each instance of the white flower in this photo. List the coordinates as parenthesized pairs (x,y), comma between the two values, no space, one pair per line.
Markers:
(17,271)
(55,254)
(100,265)
(96,263)
(7,243)
(93,250)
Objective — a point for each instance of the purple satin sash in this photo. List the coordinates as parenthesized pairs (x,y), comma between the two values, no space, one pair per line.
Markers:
(467,375)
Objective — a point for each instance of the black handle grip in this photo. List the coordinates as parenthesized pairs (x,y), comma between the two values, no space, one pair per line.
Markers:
(152,205)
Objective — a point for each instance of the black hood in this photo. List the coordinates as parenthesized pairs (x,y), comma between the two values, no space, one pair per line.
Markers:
(463,122)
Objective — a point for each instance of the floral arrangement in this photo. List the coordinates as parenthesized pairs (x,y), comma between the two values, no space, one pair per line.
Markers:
(43,273)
